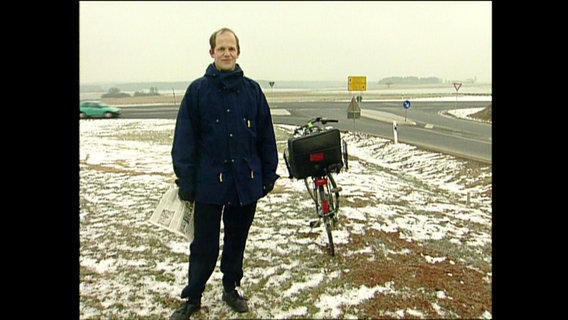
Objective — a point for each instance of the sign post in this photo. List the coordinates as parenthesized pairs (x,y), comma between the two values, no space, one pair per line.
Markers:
(353,111)
(271,83)
(355,83)
(457,86)
(406,104)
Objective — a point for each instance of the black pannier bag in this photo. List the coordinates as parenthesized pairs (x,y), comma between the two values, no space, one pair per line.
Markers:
(310,155)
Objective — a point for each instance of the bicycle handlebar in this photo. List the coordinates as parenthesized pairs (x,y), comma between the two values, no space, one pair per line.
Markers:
(310,125)
(322,120)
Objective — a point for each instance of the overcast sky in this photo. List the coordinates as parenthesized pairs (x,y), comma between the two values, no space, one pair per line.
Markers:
(169,41)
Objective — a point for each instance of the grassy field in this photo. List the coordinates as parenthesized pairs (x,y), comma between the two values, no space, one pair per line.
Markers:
(414,239)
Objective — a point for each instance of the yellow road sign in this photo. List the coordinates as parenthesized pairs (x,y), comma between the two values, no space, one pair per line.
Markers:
(357,83)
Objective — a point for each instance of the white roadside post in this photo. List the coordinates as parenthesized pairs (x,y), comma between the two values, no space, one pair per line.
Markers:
(395,131)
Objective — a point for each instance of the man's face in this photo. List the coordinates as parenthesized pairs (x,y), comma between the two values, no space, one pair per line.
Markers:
(225,52)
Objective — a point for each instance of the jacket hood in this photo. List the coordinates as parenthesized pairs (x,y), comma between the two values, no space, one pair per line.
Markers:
(228,79)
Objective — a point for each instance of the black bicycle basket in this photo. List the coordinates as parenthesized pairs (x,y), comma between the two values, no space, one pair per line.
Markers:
(315,154)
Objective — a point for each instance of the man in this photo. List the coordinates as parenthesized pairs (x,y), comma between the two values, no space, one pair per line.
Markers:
(224,156)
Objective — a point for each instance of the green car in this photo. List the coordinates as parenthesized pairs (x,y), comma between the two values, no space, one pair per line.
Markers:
(97,109)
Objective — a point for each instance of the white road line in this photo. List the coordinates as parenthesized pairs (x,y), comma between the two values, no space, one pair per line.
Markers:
(279,112)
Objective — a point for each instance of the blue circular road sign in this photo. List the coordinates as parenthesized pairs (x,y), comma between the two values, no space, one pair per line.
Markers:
(407,104)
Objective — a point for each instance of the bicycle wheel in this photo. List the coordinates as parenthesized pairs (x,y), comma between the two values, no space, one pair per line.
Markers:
(311,190)
(331,188)
(333,192)
(324,197)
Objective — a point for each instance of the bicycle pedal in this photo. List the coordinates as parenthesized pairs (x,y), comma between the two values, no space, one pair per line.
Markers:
(315,224)
(337,189)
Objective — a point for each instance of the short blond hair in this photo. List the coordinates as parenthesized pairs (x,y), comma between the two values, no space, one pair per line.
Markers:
(213,38)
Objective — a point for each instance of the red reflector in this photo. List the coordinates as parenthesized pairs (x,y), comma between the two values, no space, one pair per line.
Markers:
(315,157)
(325,206)
(321,182)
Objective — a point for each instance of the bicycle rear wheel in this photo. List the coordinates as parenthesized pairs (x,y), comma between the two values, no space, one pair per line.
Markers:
(328,227)
(333,193)
(328,215)
(331,189)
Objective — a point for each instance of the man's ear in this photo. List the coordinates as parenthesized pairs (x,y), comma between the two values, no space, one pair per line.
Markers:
(212,53)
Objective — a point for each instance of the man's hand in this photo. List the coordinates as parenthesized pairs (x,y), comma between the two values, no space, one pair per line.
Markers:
(267,188)
(186,196)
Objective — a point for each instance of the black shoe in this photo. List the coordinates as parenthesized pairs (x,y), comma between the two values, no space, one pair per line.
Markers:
(186,310)
(235,301)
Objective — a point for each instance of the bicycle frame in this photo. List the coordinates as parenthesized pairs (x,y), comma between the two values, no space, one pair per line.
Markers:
(322,188)
(326,204)
(324,185)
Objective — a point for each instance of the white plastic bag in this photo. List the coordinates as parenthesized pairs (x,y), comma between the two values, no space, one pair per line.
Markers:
(174,214)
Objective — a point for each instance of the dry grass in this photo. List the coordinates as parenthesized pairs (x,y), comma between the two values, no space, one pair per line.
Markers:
(139,273)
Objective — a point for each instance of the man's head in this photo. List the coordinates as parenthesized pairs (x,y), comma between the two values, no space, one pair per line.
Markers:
(225,49)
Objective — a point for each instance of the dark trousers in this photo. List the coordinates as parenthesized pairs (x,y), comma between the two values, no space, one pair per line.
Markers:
(204,249)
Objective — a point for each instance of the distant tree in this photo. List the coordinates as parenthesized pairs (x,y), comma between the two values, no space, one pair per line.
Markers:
(409,80)
(153,92)
(114,93)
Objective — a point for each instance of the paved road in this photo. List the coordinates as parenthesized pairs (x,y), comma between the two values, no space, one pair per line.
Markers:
(425,124)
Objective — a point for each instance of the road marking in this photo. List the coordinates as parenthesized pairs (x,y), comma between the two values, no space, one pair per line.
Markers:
(279,112)
(385,117)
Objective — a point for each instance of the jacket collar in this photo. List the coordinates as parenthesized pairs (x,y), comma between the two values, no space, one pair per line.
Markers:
(227,79)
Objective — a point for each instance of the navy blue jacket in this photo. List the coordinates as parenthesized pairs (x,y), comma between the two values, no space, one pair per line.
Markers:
(224,148)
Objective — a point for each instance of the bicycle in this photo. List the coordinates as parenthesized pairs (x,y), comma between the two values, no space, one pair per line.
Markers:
(314,153)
